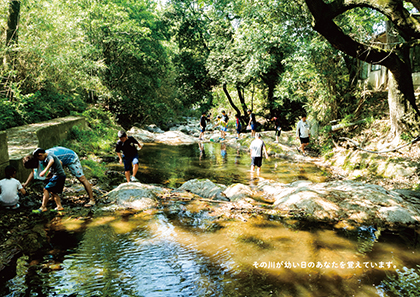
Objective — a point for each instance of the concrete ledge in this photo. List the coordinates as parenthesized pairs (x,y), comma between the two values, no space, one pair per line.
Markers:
(57,130)
(22,141)
(4,153)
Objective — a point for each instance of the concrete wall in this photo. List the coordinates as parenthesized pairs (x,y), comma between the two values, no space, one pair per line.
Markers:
(4,153)
(48,134)
(51,135)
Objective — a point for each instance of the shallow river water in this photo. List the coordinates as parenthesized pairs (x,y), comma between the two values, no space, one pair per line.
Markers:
(180,249)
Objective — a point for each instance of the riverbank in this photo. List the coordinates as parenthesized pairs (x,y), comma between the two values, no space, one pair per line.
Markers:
(334,204)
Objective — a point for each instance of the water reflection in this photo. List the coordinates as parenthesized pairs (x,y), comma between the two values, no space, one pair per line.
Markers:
(152,255)
(173,165)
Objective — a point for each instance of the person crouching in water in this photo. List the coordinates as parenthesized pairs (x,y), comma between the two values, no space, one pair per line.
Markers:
(55,184)
(9,187)
(127,144)
(257,148)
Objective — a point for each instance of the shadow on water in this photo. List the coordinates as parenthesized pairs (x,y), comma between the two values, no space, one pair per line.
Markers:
(161,254)
(171,166)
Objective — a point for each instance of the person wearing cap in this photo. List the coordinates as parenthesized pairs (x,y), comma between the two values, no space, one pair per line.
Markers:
(277,128)
(257,148)
(252,122)
(55,184)
(130,157)
(68,158)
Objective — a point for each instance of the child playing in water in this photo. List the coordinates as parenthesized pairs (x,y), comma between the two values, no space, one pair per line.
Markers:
(9,187)
(56,182)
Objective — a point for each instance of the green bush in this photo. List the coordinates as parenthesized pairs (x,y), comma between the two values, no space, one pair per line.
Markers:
(98,138)
(43,106)
(9,116)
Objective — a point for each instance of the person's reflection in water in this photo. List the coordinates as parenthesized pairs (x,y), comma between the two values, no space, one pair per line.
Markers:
(223,152)
(237,156)
(302,173)
(202,152)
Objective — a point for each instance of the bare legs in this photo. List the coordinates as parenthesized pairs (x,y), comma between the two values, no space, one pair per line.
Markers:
(46,197)
(128,173)
(88,189)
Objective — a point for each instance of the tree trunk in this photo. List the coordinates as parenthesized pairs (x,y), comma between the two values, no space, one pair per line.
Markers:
(396,107)
(230,99)
(242,99)
(13,22)
(11,39)
(400,87)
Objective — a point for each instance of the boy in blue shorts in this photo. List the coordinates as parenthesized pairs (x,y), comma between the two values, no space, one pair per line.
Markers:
(127,145)
(55,184)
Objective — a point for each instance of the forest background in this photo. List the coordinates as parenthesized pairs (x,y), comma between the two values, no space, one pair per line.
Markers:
(150,62)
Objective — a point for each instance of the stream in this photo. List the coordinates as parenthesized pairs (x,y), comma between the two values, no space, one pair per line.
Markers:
(181,249)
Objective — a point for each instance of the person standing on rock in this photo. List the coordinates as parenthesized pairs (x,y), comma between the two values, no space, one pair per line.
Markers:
(10,187)
(130,157)
(203,124)
(69,159)
(303,134)
(252,122)
(257,148)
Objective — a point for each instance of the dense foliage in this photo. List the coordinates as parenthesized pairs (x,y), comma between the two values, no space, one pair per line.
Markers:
(148,62)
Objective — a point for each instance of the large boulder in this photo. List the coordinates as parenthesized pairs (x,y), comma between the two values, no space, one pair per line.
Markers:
(205,188)
(175,138)
(342,200)
(238,191)
(142,135)
(134,195)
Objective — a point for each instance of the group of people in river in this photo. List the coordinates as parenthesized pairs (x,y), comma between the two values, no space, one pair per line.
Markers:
(48,164)
(257,148)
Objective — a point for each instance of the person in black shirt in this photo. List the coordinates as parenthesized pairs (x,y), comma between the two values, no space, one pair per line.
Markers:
(203,124)
(277,127)
(127,144)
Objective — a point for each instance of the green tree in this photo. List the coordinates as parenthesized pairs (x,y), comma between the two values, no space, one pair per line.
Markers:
(128,36)
(395,57)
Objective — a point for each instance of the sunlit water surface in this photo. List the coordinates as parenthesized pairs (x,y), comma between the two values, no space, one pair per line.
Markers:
(172,166)
(188,252)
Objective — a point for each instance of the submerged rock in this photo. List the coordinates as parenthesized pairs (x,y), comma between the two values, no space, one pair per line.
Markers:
(134,195)
(338,200)
(205,188)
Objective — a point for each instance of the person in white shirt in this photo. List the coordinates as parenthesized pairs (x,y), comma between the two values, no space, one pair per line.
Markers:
(257,148)
(9,187)
(303,133)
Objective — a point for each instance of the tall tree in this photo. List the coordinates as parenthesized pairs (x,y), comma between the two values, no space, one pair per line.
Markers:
(395,58)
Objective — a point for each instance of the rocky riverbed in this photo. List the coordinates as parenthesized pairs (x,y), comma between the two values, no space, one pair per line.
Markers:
(345,201)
